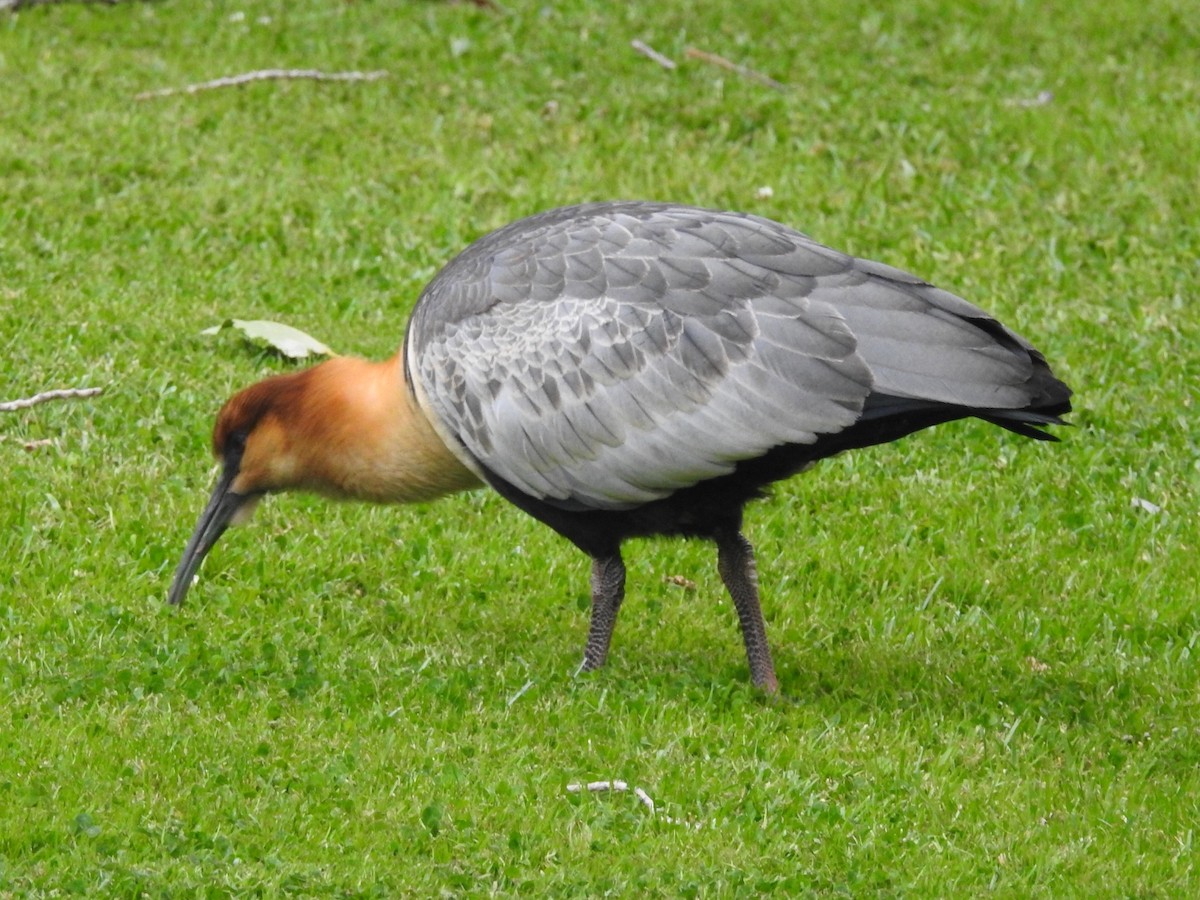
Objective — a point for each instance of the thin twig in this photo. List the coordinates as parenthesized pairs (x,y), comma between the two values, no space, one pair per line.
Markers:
(1042,98)
(30,446)
(744,71)
(643,798)
(263,75)
(597,786)
(15,5)
(517,696)
(64,394)
(650,53)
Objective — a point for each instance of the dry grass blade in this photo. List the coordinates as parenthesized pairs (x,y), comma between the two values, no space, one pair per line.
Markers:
(263,75)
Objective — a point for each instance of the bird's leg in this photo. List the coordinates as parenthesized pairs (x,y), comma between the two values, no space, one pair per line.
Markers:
(608,590)
(735,562)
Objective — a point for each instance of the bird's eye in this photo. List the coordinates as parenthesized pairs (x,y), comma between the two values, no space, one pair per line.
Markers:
(235,445)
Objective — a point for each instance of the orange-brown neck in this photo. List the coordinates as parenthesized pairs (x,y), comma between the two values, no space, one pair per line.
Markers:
(347,428)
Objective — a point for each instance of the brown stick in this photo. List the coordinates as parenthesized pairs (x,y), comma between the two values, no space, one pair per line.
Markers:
(744,71)
(45,396)
(262,75)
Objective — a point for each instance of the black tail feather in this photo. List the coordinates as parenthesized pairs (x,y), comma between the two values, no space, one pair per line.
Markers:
(1024,422)
(895,416)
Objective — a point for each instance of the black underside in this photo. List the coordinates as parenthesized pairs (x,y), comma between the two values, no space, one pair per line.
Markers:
(714,505)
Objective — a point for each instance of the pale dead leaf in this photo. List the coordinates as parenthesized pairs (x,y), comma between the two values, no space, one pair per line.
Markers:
(1145,505)
(291,342)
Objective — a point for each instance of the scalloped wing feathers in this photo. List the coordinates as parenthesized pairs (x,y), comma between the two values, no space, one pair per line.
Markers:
(609,355)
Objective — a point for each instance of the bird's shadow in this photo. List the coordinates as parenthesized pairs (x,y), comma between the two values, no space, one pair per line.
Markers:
(876,678)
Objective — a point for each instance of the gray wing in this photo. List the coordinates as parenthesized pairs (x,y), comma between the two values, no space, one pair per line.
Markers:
(609,355)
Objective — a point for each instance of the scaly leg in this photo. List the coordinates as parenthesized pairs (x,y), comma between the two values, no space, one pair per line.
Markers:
(608,590)
(735,562)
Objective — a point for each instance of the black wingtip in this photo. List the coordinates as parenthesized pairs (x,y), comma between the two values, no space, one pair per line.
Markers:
(1028,423)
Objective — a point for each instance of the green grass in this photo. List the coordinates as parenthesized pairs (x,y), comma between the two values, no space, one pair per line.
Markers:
(987,650)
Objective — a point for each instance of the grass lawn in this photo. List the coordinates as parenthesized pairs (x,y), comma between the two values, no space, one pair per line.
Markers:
(987,645)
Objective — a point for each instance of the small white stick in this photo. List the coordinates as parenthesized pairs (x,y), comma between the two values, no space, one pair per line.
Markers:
(644,798)
(597,786)
(262,75)
(1042,98)
(44,396)
(650,53)
(517,696)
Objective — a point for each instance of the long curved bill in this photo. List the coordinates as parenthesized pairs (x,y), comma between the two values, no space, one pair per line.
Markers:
(221,512)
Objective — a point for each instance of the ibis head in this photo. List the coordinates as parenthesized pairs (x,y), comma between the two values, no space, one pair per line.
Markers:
(631,369)
(347,429)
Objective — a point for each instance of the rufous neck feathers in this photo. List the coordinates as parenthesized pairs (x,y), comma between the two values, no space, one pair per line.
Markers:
(349,428)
